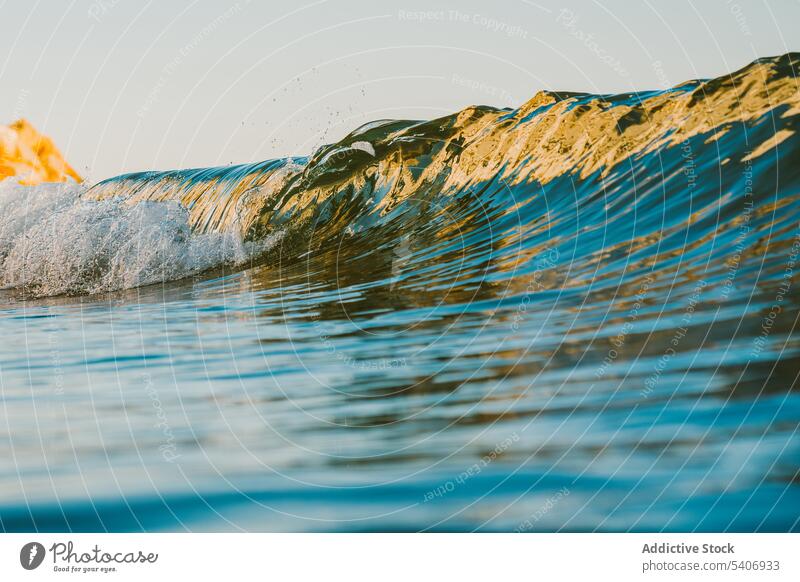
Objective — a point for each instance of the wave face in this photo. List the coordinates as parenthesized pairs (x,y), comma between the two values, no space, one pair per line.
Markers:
(615,186)
(620,151)
(578,315)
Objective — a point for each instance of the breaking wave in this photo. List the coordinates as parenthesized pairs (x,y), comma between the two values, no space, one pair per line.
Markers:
(54,242)
(576,315)
(613,184)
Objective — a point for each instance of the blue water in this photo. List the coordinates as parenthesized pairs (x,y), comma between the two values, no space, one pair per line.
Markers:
(617,352)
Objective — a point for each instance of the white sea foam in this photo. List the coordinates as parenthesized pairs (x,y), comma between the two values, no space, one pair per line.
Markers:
(53,242)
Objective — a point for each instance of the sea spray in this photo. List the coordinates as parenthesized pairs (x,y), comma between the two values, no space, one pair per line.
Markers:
(54,242)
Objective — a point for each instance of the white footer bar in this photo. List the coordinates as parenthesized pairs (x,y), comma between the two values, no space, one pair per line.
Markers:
(400,557)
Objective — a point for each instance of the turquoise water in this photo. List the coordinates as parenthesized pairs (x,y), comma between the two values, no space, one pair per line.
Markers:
(603,353)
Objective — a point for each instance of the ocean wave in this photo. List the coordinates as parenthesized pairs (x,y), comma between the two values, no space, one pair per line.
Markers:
(607,282)
(564,173)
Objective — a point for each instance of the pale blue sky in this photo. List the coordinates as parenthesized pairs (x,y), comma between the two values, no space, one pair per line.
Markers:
(124,85)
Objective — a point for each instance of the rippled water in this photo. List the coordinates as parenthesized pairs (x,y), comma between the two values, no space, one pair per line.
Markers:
(610,350)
